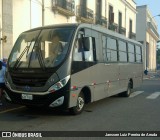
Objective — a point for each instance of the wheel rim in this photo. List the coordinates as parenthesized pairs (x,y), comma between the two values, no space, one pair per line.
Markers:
(80,103)
(129,90)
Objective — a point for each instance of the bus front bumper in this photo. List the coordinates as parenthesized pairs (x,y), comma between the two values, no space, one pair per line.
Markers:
(58,98)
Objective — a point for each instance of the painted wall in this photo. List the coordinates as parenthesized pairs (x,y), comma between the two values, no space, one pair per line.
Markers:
(128,10)
(141,23)
(145,34)
(22,15)
(7,24)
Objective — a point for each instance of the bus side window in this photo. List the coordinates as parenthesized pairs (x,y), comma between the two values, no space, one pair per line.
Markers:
(88,49)
(111,49)
(83,46)
(77,55)
(131,52)
(138,54)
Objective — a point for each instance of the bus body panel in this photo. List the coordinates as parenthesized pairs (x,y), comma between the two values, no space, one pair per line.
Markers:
(105,80)
(101,77)
(130,71)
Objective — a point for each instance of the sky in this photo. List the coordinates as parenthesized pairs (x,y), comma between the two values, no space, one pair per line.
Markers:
(154,7)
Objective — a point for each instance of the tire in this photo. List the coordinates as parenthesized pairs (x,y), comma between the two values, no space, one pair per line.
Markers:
(128,92)
(80,105)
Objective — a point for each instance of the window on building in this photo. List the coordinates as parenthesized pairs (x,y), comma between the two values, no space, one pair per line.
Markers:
(120,21)
(61,3)
(111,14)
(83,7)
(130,28)
(98,11)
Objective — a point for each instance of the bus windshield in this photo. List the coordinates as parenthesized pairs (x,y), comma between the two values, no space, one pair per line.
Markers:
(45,48)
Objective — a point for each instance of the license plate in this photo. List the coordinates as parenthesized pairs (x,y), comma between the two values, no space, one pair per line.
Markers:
(27,97)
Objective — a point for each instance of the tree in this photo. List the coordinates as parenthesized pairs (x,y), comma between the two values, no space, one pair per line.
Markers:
(158,56)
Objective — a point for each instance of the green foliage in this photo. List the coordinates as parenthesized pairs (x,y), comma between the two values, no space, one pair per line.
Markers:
(158,55)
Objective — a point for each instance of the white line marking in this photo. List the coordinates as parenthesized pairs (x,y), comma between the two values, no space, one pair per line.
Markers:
(12,109)
(154,95)
(135,93)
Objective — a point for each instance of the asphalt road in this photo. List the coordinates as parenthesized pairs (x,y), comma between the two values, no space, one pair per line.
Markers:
(140,112)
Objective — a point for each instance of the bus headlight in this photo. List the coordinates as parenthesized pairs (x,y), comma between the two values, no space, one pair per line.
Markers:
(57,102)
(59,84)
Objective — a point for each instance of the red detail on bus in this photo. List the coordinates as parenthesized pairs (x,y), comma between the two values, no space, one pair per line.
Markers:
(73,95)
(74,88)
(94,83)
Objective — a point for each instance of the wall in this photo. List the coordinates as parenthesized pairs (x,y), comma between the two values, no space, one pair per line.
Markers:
(128,11)
(22,15)
(130,15)
(52,17)
(7,29)
(141,35)
(28,14)
(146,35)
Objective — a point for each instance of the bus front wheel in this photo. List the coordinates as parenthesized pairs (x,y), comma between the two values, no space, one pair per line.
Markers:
(80,105)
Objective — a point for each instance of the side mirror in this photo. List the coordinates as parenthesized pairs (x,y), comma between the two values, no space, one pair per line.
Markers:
(87,44)
(80,34)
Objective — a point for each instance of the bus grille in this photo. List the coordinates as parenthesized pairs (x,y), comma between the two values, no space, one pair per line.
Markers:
(35,82)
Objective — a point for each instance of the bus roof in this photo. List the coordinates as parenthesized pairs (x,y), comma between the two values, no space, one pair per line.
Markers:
(112,33)
(97,28)
(54,26)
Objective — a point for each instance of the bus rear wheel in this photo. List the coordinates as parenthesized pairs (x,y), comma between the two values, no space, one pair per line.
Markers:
(80,105)
(128,92)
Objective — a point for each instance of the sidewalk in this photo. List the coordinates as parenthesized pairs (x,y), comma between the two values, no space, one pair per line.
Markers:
(151,74)
(7,106)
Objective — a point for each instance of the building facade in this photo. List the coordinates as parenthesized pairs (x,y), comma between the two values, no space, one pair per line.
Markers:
(147,34)
(17,16)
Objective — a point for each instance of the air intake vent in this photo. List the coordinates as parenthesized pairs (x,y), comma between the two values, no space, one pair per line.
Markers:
(29,81)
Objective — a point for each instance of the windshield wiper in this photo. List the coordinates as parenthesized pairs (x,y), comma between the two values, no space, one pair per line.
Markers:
(40,57)
(19,58)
